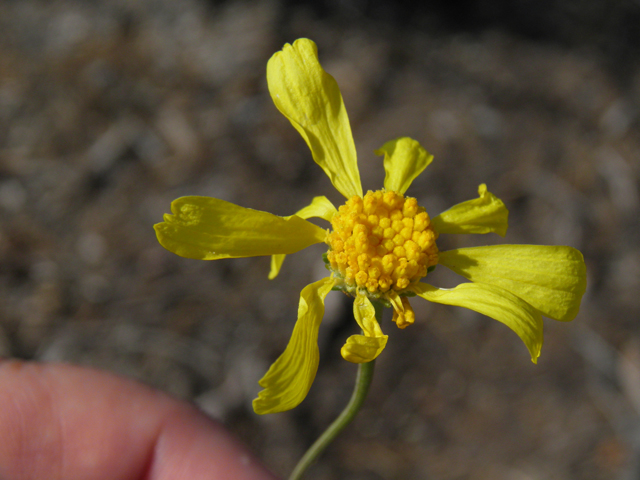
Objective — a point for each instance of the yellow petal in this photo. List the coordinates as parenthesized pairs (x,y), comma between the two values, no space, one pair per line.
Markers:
(276,265)
(206,228)
(289,379)
(310,98)
(493,302)
(403,314)
(365,315)
(550,278)
(364,348)
(395,300)
(361,349)
(320,207)
(484,214)
(404,160)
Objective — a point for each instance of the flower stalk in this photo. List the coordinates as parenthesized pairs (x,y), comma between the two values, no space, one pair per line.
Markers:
(360,391)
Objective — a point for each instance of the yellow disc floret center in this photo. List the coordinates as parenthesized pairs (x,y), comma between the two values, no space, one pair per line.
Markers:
(380,242)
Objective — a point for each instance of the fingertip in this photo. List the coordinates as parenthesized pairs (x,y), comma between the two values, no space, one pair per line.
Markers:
(213,452)
(68,422)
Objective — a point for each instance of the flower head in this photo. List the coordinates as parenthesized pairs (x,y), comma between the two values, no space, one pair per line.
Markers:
(381,244)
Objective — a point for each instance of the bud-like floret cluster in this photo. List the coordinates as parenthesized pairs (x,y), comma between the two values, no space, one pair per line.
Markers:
(380,242)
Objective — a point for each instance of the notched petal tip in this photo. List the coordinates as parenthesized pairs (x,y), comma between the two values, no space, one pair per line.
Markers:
(534,359)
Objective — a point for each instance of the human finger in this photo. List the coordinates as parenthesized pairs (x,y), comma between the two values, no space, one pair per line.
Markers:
(65,422)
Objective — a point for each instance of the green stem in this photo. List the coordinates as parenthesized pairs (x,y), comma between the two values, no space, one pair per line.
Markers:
(363,381)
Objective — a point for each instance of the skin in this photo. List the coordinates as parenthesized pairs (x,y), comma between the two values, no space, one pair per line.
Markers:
(65,422)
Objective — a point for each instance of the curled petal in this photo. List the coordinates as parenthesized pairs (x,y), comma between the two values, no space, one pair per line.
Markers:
(405,317)
(362,349)
(310,98)
(484,214)
(320,207)
(403,314)
(395,300)
(493,302)
(550,278)
(365,315)
(207,228)
(404,160)
(289,379)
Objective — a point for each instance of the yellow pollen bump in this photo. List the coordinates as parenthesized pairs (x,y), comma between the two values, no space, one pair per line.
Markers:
(380,242)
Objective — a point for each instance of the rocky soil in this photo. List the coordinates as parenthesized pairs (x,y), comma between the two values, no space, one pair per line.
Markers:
(110,110)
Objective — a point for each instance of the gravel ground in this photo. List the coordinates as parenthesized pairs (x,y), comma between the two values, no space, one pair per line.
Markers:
(110,110)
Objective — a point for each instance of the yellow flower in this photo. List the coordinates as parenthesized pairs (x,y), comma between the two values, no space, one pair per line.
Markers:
(381,244)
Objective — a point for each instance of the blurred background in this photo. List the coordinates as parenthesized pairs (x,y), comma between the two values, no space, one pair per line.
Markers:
(110,110)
